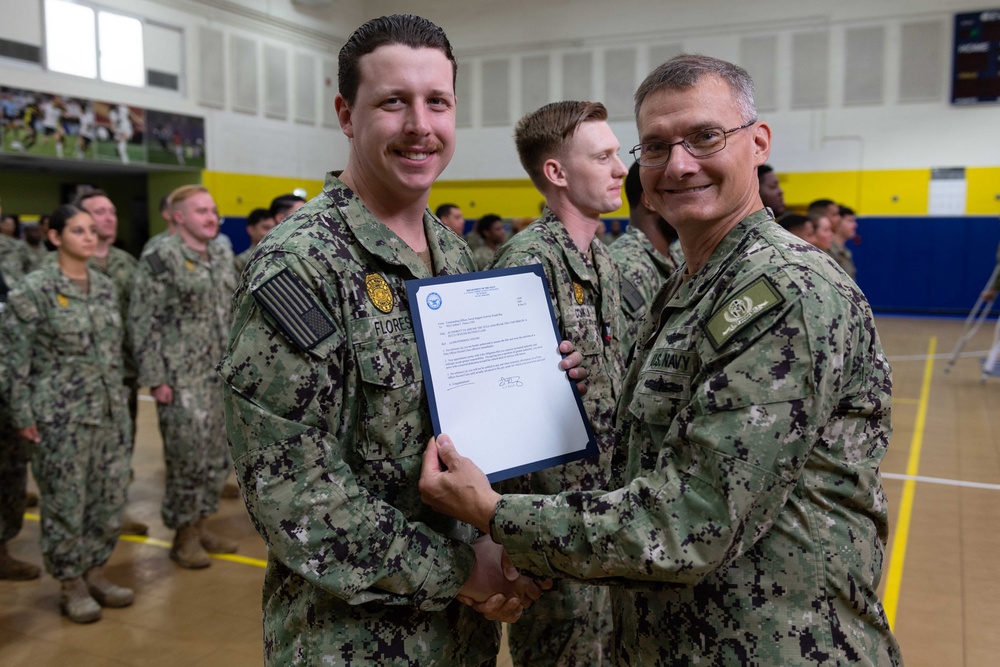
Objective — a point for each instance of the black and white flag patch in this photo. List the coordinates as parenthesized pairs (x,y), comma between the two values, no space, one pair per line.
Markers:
(288,301)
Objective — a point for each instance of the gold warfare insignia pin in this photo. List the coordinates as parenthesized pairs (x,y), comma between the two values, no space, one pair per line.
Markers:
(189,264)
(63,300)
(578,293)
(379,292)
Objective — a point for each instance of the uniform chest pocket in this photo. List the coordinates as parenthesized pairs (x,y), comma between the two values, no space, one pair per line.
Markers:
(393,423)
(665,382)
(70,330)
(189,292)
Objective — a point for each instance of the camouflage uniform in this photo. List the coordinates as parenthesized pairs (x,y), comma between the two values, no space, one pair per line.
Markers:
(14,452)
(241,260)
(14,457)
(676,252)
(36,256)
(327,422)
(14,262)
(643,272)
(751,525)
(120,267)
(63,354)
(474,239)
(154,242)
(483,256)
(571,624)
(179,319)
(844,258)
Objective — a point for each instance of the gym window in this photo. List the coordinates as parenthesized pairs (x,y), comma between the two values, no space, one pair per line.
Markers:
(93,43)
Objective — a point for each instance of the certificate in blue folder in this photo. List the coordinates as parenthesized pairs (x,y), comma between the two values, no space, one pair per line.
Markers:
(489,350)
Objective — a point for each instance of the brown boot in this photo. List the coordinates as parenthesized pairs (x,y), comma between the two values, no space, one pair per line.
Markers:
(14,569)
(106,593)
(132,526)
(76,603)
(187,550)
(230,491)
(215,543)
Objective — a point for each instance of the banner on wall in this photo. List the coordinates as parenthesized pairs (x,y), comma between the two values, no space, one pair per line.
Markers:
(76,128)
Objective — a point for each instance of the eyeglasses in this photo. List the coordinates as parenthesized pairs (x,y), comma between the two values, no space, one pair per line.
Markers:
(700,143)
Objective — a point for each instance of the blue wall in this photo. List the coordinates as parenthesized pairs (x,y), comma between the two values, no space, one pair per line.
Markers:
(925,265)
(236,229)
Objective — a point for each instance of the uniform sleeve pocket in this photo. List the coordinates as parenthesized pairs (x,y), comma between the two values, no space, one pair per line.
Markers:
(583,333)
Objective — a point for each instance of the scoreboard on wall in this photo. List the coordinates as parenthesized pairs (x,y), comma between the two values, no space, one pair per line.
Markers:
(976,58)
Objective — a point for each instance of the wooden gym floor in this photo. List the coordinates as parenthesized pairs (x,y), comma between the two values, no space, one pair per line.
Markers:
(941,582)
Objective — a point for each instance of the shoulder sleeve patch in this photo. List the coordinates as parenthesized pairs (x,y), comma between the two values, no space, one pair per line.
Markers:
(742,310)
(23,307)
(156,263)
(288,301)
(632,296)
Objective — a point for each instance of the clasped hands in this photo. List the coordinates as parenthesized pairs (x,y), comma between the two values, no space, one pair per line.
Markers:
(495,588)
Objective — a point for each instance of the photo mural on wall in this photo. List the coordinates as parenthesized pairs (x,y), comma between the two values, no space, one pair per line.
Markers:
(75,128)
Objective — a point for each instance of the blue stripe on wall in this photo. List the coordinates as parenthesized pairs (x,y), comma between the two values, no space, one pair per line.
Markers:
(924,264)
(921,265)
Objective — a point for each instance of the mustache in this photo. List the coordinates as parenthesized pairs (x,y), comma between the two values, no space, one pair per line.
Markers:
(417,147)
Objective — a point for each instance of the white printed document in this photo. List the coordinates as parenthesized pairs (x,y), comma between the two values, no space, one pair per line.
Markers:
(489,350)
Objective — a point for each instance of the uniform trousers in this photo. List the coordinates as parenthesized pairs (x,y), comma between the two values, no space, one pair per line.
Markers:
(82,471)
(193,427)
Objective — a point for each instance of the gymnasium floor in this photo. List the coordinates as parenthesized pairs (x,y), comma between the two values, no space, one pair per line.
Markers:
(941,582)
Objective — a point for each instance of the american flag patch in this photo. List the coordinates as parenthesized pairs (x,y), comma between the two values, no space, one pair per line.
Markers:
(156,264)
(293,306)
(632,296)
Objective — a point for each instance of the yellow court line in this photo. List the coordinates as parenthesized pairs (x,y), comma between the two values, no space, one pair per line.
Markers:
(152,541)
(895,575)
(905,401)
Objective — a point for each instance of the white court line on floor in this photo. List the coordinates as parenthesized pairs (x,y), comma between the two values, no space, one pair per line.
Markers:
(939,480)
(922,357)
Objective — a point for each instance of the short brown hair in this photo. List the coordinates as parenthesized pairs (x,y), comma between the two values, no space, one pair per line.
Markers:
(89,194)
(543,132)
(406,29)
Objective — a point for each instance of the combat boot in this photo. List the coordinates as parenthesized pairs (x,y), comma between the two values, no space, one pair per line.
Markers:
(214,543)
(14,569)
(132,526)
(230,491)
(106,593)
(187,550)
(76,603)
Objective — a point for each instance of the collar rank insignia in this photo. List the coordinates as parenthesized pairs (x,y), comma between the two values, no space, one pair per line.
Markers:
(578,293)
(379,292)
(63,300)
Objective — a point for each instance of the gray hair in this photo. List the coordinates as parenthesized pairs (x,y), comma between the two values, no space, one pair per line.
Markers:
(686,70)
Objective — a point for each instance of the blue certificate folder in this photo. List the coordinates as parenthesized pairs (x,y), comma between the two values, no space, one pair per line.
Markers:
(488,345)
